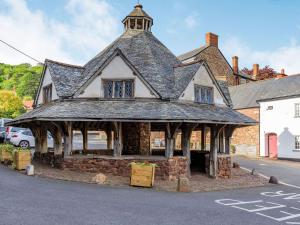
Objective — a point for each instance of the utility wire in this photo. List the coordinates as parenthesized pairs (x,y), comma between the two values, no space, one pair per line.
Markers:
(23,53)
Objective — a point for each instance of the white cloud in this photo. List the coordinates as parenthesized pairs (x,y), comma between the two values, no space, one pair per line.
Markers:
(92,25)
(286,57)
(191,21)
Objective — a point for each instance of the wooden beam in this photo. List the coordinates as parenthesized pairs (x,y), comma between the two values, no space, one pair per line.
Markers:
(68,139)
(118,138)
(108,131)
(228,134)
(171,133)
(203,137)
(214,144)
(84,132)
(186,133)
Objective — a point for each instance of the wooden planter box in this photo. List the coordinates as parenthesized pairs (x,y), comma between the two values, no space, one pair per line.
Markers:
(142,175)
(22,159)
(5,156)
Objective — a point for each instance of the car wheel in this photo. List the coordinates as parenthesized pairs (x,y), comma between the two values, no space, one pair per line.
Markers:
(24,144)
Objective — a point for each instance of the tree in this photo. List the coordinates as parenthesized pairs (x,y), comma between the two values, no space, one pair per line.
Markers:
(23,78)
(11,105)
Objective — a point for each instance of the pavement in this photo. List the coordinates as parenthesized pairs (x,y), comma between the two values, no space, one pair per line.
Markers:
(287,172)
(37,201)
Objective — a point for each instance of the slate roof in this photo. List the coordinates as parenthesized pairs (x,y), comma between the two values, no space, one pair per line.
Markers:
(65,77)
(191,54)
(247,95)
(147,54)
(138,12)
(134,111)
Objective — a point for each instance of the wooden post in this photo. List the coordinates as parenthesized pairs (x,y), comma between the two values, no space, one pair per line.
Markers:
(118,138)
(84,132)
(68,139)
(57,139)
(213,154)
(228,133)
(203,138)
(186,133)
(171,133)
(43,140)
(109,136)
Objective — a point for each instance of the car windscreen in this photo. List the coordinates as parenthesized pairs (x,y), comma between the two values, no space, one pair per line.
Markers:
(15,129)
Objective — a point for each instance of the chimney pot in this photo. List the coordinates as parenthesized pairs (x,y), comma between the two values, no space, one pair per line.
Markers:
(211,39)
(255,71)
(235,64)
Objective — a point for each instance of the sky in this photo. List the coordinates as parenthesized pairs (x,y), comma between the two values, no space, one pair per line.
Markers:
(74,31)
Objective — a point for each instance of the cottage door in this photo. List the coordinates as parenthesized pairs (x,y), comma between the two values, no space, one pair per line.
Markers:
(271,145)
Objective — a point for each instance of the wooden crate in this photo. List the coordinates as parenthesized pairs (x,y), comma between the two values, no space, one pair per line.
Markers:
(22,159)
(5,156)
(142,175)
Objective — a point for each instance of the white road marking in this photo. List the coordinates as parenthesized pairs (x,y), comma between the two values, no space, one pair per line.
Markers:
(266,177)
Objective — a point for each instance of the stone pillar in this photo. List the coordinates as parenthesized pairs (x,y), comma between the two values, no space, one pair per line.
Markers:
(144,138)
(43,140)
(171,133)
(68,139)
(118,138)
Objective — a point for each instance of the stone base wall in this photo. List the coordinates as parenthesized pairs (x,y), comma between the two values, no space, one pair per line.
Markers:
(224,166)
(246,139)
(168,169)
(48,158)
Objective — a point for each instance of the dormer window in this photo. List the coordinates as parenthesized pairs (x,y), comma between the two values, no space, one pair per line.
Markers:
(204,94)
(118,88)
(47,93)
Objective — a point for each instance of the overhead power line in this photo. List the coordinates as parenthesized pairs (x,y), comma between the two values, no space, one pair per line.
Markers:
(23,53)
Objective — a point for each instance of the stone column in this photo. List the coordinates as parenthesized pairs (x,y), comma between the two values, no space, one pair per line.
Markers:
(186,133)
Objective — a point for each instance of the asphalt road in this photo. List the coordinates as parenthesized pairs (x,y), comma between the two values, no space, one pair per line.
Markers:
(285,171)
(38,201)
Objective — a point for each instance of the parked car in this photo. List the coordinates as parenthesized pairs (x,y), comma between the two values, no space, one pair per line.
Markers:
(25,139)
(11,131)
(2,134)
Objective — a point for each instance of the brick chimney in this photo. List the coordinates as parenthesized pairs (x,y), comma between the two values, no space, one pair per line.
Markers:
(255,71)
(211,39)
(235,64)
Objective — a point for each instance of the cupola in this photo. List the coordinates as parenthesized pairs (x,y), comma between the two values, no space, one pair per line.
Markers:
(138,19)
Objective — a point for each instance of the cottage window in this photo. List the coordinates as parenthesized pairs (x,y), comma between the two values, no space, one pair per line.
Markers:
(118,88)
(297,142)
(297,110)
(47,93)
(203,94)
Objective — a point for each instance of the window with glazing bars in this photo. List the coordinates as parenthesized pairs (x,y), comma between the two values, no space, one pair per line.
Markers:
(47,93)
(297,142)
(297,110)
(204,94)
(118,88)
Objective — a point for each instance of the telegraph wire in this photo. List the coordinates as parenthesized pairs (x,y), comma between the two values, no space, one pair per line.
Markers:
(23,53)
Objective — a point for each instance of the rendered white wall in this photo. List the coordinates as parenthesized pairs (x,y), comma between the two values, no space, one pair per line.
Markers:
(282,121)
(47,80)
(116,69)
(201,78)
